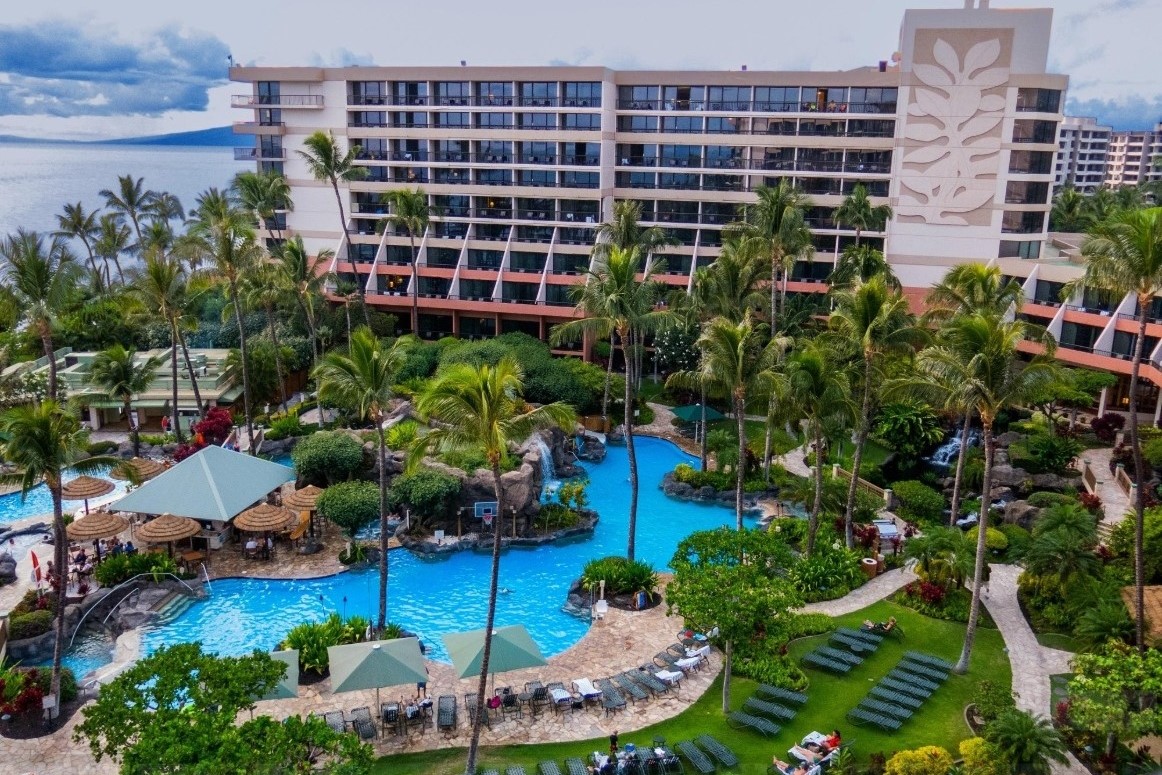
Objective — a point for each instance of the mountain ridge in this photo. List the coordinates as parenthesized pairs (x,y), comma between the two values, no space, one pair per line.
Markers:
(214,137)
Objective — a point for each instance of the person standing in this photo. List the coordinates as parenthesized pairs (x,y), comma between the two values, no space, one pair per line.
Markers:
(613,743)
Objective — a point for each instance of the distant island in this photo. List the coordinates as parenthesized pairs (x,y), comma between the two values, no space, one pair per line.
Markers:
(219,136)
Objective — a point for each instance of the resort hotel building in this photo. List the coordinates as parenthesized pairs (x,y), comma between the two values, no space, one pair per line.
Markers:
(958,130)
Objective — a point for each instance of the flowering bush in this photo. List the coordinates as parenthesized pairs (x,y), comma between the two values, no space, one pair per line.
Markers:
(1106,428)
(1091,502)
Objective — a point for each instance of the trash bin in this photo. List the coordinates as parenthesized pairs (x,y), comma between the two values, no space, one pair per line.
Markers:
(869,566)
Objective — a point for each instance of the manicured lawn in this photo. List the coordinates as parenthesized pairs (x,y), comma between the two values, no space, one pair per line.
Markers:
(874,454)
(756,434)
(940,721)
(1057,640)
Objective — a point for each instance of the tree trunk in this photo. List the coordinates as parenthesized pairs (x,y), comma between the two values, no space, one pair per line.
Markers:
(857,456)
(631,454)
(120,274)
(46,343)
(1140,478)
(359,287)
(960,458)
(482,686)
(382,620)
(193,374)
(277,358)
(308,318)
(134,430)
(740,464)
(414,287)
(347,310)
(767,437)
(173,370)
(246,409)
(608,379)
(60,545)
(702,445)
(726,671)
(774,289)
(816,507)
(981,548)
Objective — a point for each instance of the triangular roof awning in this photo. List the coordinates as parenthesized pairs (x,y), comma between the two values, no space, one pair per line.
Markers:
(693,413)
(215,483)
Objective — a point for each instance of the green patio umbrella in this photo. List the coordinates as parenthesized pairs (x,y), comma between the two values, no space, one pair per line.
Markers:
(693,413)
(288,686)
(512,649)
(376,664)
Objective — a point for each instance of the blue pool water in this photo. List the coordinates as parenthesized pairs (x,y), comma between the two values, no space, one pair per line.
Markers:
(434,597)
(39,502)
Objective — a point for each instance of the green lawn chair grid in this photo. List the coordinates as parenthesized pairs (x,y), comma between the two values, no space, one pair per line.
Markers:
(630,687)
(549,768)
(899,698)
(928,659)
(858,716)
(919,692)
(694,755)
(765,708)
(930,673)
(870,637)
(840,656)
(575,766)
(724,755)
(779,693)
(886,708)
(650,682)
(855,645)
(611,698)
(818,660)
(758,724)
(904,676)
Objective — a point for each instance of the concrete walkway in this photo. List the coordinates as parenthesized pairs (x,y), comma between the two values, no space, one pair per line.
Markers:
(1115,503)
(793,462)
(877,589)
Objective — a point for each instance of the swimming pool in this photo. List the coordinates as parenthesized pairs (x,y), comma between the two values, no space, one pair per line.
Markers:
(434,597)
(39,501)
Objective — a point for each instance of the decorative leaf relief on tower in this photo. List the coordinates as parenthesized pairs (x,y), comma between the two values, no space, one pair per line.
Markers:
(954,172)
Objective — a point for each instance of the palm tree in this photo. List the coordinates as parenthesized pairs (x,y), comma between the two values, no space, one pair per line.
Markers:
(116,372)
(410,211)
(875,320)
(362,379)
(299,272)
(327,163)
(482,407)
(1124,256)
(42,278)
(774,228)
(265,289)
(858,212)
(162,286)
(113,239)
(860,263)
(222,233)
(263,194)
(1027,743)
(131,201)
(976,358)
(819,387)
(76,223)
(164,206)
(738,359)
(614,300)
(1071,212)
(43,440)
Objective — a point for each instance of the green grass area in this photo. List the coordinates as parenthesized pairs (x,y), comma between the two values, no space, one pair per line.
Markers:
(1057,640)
(756,433)
(874,453)
(939,722)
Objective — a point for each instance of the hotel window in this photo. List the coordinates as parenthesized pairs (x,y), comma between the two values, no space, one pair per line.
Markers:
(372,148)
(871,100)
(493,119)
(409,119)
(729,98)
(366,93)
(1026,130)
(410,92)
(678,212)
(494,151)
(493,177)
(584,154)
(678,180)
(859,127)
(637,123)
(637,155)
(1025,192)
(536,178)
(538,153)
(776,99)
(494,93)
(636,180)
(365,118)
(1031,162)
(1038,100)
(681,156)
(1020,249)
(268,92)
(679,124)
(1017,222)
(452,119)
(452,93)
(581,121)
(572,179)
(538,94)
(684,98)
(537,120)
(638,98)
(582,94)
(724,125)
(825,99)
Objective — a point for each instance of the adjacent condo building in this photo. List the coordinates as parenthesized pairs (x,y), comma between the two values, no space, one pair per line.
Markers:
(1082,150)
(958,131)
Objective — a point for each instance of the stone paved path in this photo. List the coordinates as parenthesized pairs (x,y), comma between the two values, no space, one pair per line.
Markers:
(872,592)
(793,462)
(1115,502)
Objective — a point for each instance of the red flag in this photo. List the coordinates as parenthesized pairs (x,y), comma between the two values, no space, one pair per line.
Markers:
(35,568)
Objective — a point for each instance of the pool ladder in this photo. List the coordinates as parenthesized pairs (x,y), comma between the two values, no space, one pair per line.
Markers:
(206,575)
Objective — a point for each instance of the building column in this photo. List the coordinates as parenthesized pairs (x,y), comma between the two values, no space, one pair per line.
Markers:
(456,323)
(1101,402)
(1158,409)
(94,418)
(541,328)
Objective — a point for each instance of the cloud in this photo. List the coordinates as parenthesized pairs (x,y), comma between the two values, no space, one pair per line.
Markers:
(61,68)
(341,57)
(1125,113)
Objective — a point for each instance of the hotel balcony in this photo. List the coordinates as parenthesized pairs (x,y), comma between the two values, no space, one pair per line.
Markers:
(259,128)
(256,154)
(313,101)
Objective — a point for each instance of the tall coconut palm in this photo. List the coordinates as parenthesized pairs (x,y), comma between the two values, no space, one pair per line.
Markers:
(873,319)
(265,289)
(361,379)
(857,212)
(1071,212)
(74,222)
(1124,256)
(130,201)
(164,206)
(41,278)
(819,386)
(620,296)
(44,440)
(976,357)
(221,233)
(860,263)
(300,272)
(738,360)
(263,195)
(409,211)
(113,239)
(327,163)
(163,287)
(774,228)
(482,407)
(116,373)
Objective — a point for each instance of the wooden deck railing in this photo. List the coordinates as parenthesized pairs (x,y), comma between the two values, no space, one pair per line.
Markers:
(1123,479)
(864,485)
(1088,477)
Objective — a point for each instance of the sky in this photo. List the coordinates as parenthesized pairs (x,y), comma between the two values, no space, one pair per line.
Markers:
(80,69)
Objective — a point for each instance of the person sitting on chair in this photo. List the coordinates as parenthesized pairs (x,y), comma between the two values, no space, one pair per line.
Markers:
(789,769)
(887,626)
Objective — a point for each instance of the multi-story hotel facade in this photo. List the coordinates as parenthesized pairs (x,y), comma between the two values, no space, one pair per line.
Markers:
(1082,151)
(957,131)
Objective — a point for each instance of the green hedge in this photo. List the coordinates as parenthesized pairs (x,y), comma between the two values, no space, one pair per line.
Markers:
(621,576)
(350,505)
(29,625)
(101,447)
(117,568)
(919,502)
(327,458)
(429,494)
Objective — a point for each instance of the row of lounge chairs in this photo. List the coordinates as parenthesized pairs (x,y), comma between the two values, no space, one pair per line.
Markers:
(851,643)
(767,703)
(902,692)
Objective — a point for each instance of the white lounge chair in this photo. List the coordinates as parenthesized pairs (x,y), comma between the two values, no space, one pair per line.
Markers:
(688,663)
(701,652)
(670,677)
(600,609)
(586,689)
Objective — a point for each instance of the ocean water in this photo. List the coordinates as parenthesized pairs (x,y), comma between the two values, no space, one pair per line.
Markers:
(37,180)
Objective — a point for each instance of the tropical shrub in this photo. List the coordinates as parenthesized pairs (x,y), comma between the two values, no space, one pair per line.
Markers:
(994,539)
(992,699)
(981,757)
(763,661)
(1091,502)
(1106,427)
(621,576)
(827,574)
(556,516)
(935,600)
(1018,540)
(327,458)
(402,434)
(103,447)
(919,502)
(1052,453)
(29,625)
(929,760)
(1122,542)
(429,494)
(572,494)
(1044,499)
(312,639)
(285,427)
(350,505)
(117,568)
(908,428)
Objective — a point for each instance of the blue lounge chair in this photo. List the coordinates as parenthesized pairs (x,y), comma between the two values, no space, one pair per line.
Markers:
(724,755)
(696,758)
(741,720)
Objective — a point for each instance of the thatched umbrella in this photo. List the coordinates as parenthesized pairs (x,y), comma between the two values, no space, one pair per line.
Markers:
(143,468)
(85,487)
(166,529)
(305,499)
(264,517)
(99,524)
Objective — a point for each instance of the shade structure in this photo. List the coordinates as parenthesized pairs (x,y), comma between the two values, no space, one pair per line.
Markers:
(213,484)
(287,687)
(143,469)
(99,524)
(85,487)
(264,517)
(168,528)
(512,649)
(376,664)
(693,413)
(304,499)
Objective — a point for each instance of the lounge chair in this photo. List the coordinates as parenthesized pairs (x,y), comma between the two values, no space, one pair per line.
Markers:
(470,708)
(912,672)
(510,705)
(360,720)
(630,687)
(702,651)
(589,692)
(928,659)
(898,698)
(905,677)
(540,696)
(549,768)
(859,716)
(840,656)
(611,699)
(575,766)
(335,720)
(772,709)
(867,635)
(649,680)
(689,664)
(724,755)
(778,693)
(934,673)
(696,758)
(818,660)
(855,645)
(677,649)
(489,772)
(668,677)
(389,717)
(919,692)
(514,769)
(740,720)
(886,708)
(560,698)
(446,713)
